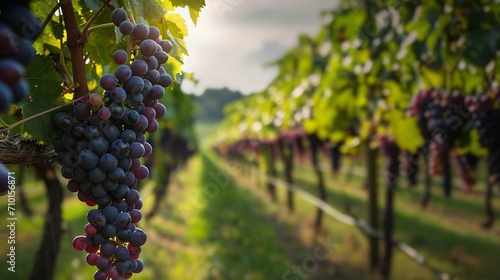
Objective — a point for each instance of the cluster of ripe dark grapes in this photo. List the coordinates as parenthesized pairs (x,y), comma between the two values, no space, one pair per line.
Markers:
(18,29)
(485,112)
(441,118)
(101,149)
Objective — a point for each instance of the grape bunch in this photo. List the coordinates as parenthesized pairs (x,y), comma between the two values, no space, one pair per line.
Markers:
(391,153)
(441,117)
(485,113)
(18,29)
(101,149)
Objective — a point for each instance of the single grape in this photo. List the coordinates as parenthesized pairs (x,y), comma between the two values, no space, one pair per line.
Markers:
(120,57)
(121,254)
(81,112)
(109,231)
(110,132)
(104,113)
(153,126)
(161,57)
(119,148)
(118,16)
(123,73)
(125,163)
(136,150)
(147,47)
(11,72)
(80,243)
(96,218)
(139,67)
(165,80)
(80,174)
(116,175)
(153,76)
(107,82)
(88,159)
(117,110)
(141,31)
(154,33)
(73,185)
(138,238)
(112,273)
(97,175)
(95,99)
(160,110)
(131,117)
(149,113)
(126,28)
(99,145)
(110,213)
(110,186)
(166,45)
(121,191)
(141,173)
(107,249)
(128,135)
(148,149)
(134,85)
(142,124)
(136,215)
(122,220)
(92,258)
(100,275)
(90,229)
(140,266)
(98,191)
(108,162)
(121,205)
(152,62)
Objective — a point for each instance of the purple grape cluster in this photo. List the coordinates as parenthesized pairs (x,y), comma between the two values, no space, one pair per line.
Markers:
(101,149)
(18,29)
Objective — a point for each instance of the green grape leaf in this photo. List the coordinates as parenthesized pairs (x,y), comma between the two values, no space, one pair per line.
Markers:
(45,87)
(152,10)
(101,46)
(195,7)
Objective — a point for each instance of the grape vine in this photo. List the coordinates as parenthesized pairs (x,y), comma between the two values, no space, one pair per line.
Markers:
(102,146)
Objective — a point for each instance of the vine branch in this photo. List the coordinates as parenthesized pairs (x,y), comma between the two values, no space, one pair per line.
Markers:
(85,30)
(76,49)
(49,16)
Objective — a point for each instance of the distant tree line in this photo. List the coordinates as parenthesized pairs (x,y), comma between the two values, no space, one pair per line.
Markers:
(210,105)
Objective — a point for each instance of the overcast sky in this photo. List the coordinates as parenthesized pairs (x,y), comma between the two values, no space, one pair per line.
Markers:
(235,38)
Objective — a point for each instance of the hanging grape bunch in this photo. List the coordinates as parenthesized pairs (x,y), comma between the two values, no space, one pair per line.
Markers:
(18,29)
(102,146)
(485,113)
(441,117)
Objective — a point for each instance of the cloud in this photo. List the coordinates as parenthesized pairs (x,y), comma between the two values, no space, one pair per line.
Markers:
(268,51)
(230,47)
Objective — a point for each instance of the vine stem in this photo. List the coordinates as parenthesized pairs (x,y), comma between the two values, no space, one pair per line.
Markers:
(76,49)
(49,16)
(9,127)
(126,6)
(100,26)
(85,30)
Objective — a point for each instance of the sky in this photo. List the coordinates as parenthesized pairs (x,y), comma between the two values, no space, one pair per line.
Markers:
(234,39)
